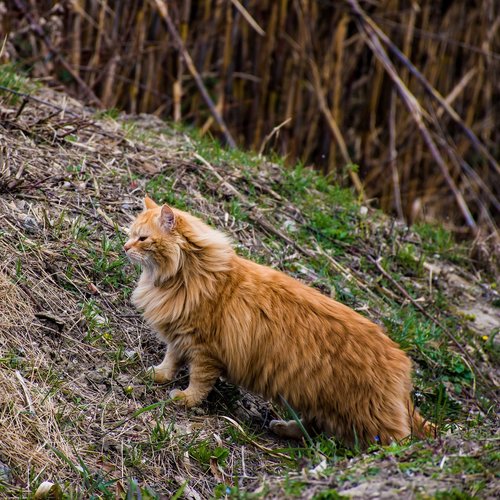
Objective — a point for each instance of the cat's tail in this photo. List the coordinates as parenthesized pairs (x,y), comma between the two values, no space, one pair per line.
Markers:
(420,427)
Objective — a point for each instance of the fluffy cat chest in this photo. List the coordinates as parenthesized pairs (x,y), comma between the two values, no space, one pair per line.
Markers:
(161,305)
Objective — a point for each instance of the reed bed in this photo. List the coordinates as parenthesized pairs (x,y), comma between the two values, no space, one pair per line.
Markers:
(408,91)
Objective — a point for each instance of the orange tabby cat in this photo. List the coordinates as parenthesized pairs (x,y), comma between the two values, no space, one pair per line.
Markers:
(261,329)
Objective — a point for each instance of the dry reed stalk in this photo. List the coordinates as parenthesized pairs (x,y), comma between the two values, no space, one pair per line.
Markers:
(334,127)
(162,9)
(224,70)
(269,136)
(325,110)
(459,88)
(416,111)
(429,88)
(99,36)
(392,158)
(264,70)
(254,60)
(177,85)
(138,48)
(76,48)
(248,18)
(338,55)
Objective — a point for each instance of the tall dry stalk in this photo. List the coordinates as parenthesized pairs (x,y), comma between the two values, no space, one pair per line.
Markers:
(241,69)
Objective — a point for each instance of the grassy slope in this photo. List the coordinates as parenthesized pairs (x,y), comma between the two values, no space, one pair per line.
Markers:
(73,395)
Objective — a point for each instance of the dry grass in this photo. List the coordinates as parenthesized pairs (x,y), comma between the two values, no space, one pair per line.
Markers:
(75,406)
(14,306)
(309,65)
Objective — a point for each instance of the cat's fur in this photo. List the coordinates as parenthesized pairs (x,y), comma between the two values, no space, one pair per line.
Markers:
(225,315)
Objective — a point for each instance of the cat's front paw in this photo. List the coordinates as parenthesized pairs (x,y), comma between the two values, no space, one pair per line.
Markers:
(183,397)
(159,375)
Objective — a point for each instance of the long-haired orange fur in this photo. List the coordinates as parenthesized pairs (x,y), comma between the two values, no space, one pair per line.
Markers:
(225,315)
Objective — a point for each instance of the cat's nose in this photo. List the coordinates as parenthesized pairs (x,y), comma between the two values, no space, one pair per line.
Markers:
(127,246)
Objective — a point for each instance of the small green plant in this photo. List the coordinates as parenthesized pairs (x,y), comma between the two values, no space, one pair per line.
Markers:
(12,359)
(453,494)
(160,188)
(133,456)
(79,228)
(435,239)
(161,434)
(19,271)
(97,323)
(12,77)
(95,484)
(411,262)
(202,452)
(110,265)
(111,113)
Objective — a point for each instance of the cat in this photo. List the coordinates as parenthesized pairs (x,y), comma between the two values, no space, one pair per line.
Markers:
(227,316)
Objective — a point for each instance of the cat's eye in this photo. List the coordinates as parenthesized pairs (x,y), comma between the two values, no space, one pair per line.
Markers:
(142,238)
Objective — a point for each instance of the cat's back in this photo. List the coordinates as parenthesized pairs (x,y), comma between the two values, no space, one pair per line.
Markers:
(282,314)
(265,285)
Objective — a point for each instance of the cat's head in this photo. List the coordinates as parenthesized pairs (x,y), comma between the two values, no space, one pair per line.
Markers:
(154,241)
(165,240)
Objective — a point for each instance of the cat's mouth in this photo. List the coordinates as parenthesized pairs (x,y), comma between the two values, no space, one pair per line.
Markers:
(135,257)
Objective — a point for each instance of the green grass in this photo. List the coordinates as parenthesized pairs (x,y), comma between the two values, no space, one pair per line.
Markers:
(204,452)
(453,494)
(435,238)
(111,113)
(12,359)
(93,484)
(160,189)
(13,77)
(438,241)
(110,265)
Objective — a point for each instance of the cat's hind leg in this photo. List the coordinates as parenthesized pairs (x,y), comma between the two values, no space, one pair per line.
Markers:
(166,370)
(287,429)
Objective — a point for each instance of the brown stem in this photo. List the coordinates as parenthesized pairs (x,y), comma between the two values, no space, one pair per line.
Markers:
(163,10)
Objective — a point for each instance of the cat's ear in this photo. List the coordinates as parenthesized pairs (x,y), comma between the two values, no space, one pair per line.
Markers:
(149,203)
(167,218)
